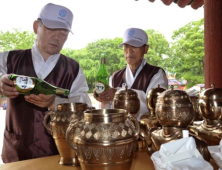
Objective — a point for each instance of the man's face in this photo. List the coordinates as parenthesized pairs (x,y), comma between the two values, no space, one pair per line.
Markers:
(134,55)
(50,41)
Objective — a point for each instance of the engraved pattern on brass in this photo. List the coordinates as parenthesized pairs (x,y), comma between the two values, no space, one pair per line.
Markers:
(105,139)
(210,108)
(59,122)
(110,153)
(127,99)
(107,131)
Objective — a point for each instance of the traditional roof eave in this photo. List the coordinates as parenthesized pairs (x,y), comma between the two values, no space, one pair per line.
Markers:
(195,4)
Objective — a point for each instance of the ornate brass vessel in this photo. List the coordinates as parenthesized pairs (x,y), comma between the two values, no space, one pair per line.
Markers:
(127,99)
(174,111)
(210,107)
(59,122)
(105,139)
(150,121)
(195,100)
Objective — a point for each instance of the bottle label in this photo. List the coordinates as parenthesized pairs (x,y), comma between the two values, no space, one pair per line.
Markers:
(100,87)
(24,82)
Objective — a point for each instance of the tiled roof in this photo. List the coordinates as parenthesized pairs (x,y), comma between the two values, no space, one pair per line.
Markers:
(195,4)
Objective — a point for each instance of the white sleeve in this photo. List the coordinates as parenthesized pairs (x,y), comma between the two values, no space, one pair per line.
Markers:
(3,63)
(78,91)
(159,78)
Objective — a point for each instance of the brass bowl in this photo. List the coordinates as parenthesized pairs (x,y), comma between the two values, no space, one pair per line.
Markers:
(127,99)
(210,103)
(174,108)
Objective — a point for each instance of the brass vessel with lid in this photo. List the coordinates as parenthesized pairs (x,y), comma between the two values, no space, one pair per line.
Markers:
(210,107)
(149,122)
(174,111)
(127,99)
(174,108)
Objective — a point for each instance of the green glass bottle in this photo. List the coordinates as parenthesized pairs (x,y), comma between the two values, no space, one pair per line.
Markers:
(32,85)
(102,77)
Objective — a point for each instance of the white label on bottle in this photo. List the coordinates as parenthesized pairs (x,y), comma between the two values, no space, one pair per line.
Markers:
(24,82)
(100,87)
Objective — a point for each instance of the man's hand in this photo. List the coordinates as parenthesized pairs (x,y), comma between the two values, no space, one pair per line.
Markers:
(6,88)
(105,96)
(41,100)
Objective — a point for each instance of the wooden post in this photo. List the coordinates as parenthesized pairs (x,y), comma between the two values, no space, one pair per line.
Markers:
(213,43)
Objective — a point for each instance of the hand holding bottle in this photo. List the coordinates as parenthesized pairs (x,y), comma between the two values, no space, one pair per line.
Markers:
(32,85)
(105,96)
(41,100)
(6,88)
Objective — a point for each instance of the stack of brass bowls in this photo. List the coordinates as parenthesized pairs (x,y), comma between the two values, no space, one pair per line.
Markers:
(105,139)
(59,122)
(127,99)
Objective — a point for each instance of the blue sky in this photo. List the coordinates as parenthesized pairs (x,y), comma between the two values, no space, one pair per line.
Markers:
(96,19)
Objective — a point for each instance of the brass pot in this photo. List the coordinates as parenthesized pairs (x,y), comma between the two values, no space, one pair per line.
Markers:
(105,139)
(127,99)
(152,98)
(174,108)
(210,107)
(195,101)
(59,122)
(150,120)
(210,103)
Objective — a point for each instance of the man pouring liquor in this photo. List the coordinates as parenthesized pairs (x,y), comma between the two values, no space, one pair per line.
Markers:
(138,74)
(25,136)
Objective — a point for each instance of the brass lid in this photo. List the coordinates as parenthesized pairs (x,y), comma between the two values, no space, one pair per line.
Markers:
(173,94)
(126,93)
(212,93)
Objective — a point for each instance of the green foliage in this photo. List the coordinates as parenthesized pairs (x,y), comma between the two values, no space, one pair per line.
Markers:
(188,52)
(158,48)
(16,39)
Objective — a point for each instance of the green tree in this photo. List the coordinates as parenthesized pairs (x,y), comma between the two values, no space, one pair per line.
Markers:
(188,52)
(16,39)
(158,49)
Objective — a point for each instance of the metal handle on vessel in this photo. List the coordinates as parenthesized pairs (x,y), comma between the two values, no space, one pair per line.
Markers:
(136,123)
(45,120)
(69,129)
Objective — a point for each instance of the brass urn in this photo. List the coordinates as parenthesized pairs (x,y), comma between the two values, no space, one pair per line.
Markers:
(127,99)
(175,112)
(210,103)
(105,139)
(210,108)
(59,122)
(149,120)
(195,101)
(174,108)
